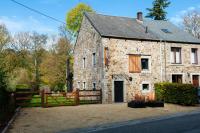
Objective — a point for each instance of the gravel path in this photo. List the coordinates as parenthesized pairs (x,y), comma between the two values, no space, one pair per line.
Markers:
(50,120)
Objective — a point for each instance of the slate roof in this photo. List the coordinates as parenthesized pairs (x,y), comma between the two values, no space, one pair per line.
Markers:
(130,28)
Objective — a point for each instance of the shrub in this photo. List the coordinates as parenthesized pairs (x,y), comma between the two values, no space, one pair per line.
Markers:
(183,94)
(3,87)
(136,104)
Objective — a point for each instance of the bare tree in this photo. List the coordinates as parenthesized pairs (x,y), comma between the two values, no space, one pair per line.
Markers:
(191,23)
(4,37)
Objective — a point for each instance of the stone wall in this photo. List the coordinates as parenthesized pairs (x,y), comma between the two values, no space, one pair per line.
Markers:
(88,42)
(161,68)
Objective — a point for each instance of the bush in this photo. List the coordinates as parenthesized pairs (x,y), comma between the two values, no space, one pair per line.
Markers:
(3,87)
(183,94)
(155,104)
(136,104)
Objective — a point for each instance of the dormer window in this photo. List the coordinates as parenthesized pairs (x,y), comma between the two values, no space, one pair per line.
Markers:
(166,31)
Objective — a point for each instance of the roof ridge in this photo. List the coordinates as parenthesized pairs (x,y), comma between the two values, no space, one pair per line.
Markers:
(108,15)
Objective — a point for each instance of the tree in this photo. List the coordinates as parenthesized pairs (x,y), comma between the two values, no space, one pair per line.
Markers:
(38,42)
(158,11)
(191,23)
(21,43)
(4,37)
(75,16)
(53,68)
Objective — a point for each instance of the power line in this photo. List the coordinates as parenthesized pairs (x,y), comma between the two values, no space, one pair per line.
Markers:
(38,12)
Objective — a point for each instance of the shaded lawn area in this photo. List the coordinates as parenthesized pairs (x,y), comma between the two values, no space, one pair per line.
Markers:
(52,102)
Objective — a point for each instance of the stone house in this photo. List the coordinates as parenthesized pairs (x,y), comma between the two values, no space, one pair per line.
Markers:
(126,56)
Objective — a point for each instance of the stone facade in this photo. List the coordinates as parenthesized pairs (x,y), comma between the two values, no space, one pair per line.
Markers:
(160,66)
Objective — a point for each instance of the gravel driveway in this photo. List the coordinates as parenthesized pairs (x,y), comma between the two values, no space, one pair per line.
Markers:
(49,120)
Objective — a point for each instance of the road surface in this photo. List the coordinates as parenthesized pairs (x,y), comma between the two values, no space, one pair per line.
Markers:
(182,124)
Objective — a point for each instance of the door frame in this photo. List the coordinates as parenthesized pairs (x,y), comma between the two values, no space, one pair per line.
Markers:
(113,90)
(191,77)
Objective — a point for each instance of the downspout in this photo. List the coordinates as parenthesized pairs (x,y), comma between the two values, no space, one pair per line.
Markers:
(165,60)
(161,62)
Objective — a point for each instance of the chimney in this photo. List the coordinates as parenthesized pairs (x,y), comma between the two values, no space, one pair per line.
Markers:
(140,16)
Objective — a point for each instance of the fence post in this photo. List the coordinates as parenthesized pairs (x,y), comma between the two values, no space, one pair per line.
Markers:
(101,96)
(42,98)
(77,100)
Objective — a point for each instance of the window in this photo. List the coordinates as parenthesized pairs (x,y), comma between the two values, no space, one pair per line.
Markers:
(176,55)
(94,59)
(134,64)
(177,79)
(84,85)
(78,85)
(84,62)
(194,56)
(166,31)
(94,86)
(145,64)
(145,87)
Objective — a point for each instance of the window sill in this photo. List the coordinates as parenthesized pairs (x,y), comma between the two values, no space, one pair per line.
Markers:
(145,71)
(173,64)
(195,64)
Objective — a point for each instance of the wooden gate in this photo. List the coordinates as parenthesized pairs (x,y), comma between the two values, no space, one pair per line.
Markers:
(71,99)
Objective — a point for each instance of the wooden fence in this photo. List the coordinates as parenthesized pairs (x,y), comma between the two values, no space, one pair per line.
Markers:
(71,99)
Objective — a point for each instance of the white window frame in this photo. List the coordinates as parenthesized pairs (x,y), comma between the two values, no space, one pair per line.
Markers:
(94,59)
(191,77)
(78,85)
(84,85)
(141,87)
(181,55)
(84,62)
(183,77)
(149,64)
(197,56)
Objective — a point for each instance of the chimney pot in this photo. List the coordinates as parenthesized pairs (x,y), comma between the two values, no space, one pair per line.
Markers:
(140,16)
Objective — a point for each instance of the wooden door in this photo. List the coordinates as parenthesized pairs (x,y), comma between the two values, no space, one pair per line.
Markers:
(195,80)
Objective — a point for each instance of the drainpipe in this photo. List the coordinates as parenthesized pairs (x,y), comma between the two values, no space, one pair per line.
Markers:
(161,67)
(165,60)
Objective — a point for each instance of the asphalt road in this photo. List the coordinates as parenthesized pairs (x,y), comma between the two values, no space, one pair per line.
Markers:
(183,124)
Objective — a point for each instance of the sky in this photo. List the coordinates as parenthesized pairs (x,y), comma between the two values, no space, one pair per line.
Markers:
(19,19)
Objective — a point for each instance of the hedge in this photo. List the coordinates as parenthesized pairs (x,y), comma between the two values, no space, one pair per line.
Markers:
(183,94)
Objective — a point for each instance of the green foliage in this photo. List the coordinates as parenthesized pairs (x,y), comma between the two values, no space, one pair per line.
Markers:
(75,16)
(3,87)
(184,94)
(22,86)
(158,11)
(4,37)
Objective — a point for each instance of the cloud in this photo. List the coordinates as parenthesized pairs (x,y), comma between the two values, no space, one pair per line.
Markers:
(30,24)
(178,18)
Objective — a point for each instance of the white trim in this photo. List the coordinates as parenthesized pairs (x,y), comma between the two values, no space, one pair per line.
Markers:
(84,85)
(145,91)
(113,90)
(94,59)
(149,64)
(183,76)
(78,85)
(191,77)
(83,62)
(197,57)
(181,58)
